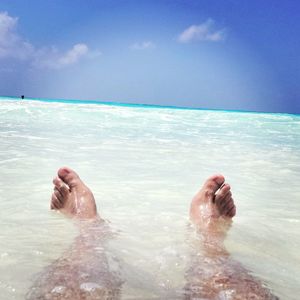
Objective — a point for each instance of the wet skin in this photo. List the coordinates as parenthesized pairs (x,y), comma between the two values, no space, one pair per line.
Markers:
(83,271)
(212,273)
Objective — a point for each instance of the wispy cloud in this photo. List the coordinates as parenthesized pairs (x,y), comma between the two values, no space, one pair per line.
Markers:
(51,58)
(143,45)
(202,32)
(12,45)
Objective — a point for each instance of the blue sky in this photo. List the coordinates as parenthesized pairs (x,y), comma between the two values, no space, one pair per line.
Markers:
(231,54)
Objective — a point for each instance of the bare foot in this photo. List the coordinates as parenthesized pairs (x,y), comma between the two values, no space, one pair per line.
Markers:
(212,204)
(71,196)
(213,274)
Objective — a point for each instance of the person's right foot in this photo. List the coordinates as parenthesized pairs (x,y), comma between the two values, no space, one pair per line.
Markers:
(213,202)
(71,196)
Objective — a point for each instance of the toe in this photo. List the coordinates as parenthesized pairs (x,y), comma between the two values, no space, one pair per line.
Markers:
(58,195)
(225,203)
(222,193)
(55,203)
(212,184)
(61,187)
(68,176)
(228,208)
(231,210)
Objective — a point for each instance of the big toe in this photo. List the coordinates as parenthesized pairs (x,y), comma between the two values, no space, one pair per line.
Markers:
(212,184)
(69,176)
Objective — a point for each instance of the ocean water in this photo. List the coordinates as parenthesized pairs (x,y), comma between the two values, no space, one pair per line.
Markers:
(144,165)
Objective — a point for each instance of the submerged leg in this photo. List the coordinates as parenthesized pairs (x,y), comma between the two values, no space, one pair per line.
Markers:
(213,274)
(83,271)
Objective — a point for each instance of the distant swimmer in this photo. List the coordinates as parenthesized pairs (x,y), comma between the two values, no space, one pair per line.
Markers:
(22,97)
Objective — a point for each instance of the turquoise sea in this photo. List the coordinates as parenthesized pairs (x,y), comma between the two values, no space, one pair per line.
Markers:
(144,164)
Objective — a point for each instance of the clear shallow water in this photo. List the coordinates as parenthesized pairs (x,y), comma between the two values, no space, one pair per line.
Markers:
(144,165)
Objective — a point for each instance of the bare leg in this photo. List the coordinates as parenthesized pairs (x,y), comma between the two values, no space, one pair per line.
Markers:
(213,274)
(83,271)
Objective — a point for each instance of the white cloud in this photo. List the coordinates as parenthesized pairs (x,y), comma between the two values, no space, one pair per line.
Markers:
(202,32)
(73,55)
(12,45)
(51,58)
(7,25)
(143,45)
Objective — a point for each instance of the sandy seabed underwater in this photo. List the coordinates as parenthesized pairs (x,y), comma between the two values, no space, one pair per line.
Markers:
(144,165)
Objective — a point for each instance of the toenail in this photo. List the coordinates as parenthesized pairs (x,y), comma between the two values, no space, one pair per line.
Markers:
(220,180)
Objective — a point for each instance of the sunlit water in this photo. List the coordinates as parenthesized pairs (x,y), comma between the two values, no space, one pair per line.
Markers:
(144,165)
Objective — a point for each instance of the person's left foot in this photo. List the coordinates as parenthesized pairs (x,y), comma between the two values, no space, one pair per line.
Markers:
(71,196)
(212,203)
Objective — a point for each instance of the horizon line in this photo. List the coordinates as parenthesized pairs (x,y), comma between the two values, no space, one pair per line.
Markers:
(145,105)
